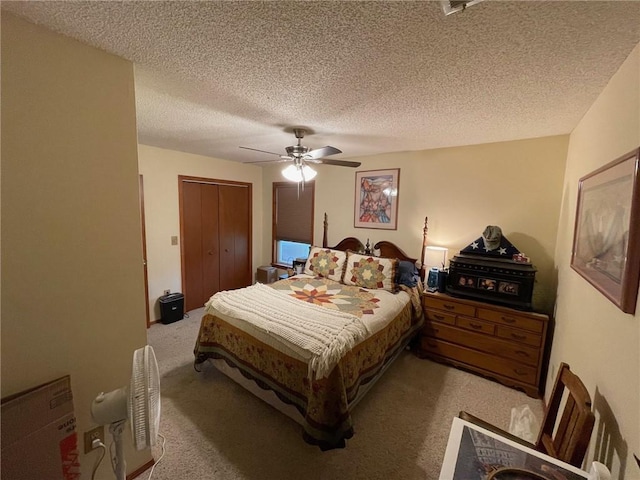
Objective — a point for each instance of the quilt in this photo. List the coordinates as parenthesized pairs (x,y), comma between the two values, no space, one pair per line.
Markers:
(324,403)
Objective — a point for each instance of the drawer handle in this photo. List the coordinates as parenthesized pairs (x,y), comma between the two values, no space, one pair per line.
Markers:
(508,319)
(432,344)
(519,372)
(518,337)
(475,326)
(435,330)
(449,307)
(522,354)
(439,317)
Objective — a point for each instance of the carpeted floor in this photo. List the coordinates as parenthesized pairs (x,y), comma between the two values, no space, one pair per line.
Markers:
(215,429)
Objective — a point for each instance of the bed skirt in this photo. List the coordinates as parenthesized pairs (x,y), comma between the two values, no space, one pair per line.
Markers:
(323,405)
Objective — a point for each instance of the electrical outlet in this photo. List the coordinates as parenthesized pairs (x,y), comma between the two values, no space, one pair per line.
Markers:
(167,292)
(94,434)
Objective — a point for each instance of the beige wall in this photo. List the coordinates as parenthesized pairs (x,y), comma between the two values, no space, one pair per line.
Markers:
(72,285)
(599,341)
(516,185)
(160,169)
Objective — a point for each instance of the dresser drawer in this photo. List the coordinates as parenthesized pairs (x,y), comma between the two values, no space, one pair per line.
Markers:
(518,335)
(484,343)
(440,316)
(484,361)
(449,306)
(511,320)
(476,325)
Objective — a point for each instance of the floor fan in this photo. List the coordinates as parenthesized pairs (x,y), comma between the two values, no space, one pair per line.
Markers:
(139,402)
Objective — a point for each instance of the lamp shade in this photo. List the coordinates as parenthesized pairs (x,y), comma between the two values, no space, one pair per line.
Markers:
(295,173)
(436,257)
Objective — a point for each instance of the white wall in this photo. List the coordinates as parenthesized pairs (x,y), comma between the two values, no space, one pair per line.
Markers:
(160,169)
(515,185)
(72,278)
(599,341)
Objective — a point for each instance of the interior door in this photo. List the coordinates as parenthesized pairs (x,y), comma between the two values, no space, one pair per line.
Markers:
(192,258)
(144,251)
(235,237)
(211,231)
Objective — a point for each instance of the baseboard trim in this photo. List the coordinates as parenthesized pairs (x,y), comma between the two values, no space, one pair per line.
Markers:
(141,469)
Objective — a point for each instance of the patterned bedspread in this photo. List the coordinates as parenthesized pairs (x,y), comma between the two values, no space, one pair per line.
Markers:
(330,294)
(323,403)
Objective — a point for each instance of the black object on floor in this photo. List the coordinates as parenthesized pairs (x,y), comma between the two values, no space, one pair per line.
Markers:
(171,307)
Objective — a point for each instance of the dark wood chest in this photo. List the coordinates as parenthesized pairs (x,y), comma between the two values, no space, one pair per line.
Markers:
(496,280)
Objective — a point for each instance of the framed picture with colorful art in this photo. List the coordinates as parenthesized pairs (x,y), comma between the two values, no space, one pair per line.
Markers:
(376,199)
(606,239)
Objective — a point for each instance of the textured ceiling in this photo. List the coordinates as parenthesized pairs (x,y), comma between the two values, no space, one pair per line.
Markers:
(366,77)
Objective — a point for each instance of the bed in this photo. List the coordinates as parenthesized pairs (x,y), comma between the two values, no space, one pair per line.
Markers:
(312,345)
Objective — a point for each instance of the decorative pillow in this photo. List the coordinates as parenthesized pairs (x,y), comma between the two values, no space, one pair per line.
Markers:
(325,262)
(370,272)
(407,274)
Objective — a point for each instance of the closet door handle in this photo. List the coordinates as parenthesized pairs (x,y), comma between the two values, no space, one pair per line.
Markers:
(210,252)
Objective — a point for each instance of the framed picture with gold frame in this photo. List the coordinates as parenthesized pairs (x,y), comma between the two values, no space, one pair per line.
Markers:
(606,239)
(376,199)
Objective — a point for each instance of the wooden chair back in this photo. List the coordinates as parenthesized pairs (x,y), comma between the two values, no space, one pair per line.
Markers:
(567,436)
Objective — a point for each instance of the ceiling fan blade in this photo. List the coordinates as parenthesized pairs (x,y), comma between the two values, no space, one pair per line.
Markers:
(283,158)
(322,152)
(339,163)
(263,151)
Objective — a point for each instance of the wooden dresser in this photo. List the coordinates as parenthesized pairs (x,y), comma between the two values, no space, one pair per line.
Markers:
(498,342)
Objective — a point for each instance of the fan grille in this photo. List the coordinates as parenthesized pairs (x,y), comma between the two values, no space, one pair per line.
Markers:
(144,398)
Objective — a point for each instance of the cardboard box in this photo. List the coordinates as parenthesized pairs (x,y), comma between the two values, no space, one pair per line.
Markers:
(39,438)
(267,274)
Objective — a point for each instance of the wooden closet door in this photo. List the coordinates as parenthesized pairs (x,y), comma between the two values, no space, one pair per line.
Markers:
(210,241)
(192,245)
(234,228)
(216,244)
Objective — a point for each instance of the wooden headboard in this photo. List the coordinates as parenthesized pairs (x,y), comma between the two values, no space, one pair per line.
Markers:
(349,243)
(387,249)
(391,250)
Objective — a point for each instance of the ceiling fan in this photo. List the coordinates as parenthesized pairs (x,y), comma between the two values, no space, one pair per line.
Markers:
(300,155)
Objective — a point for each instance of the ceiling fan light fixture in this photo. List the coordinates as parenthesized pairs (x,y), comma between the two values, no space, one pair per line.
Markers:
(299,173)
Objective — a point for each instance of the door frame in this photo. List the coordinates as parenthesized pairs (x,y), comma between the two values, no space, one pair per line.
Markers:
(182,179)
